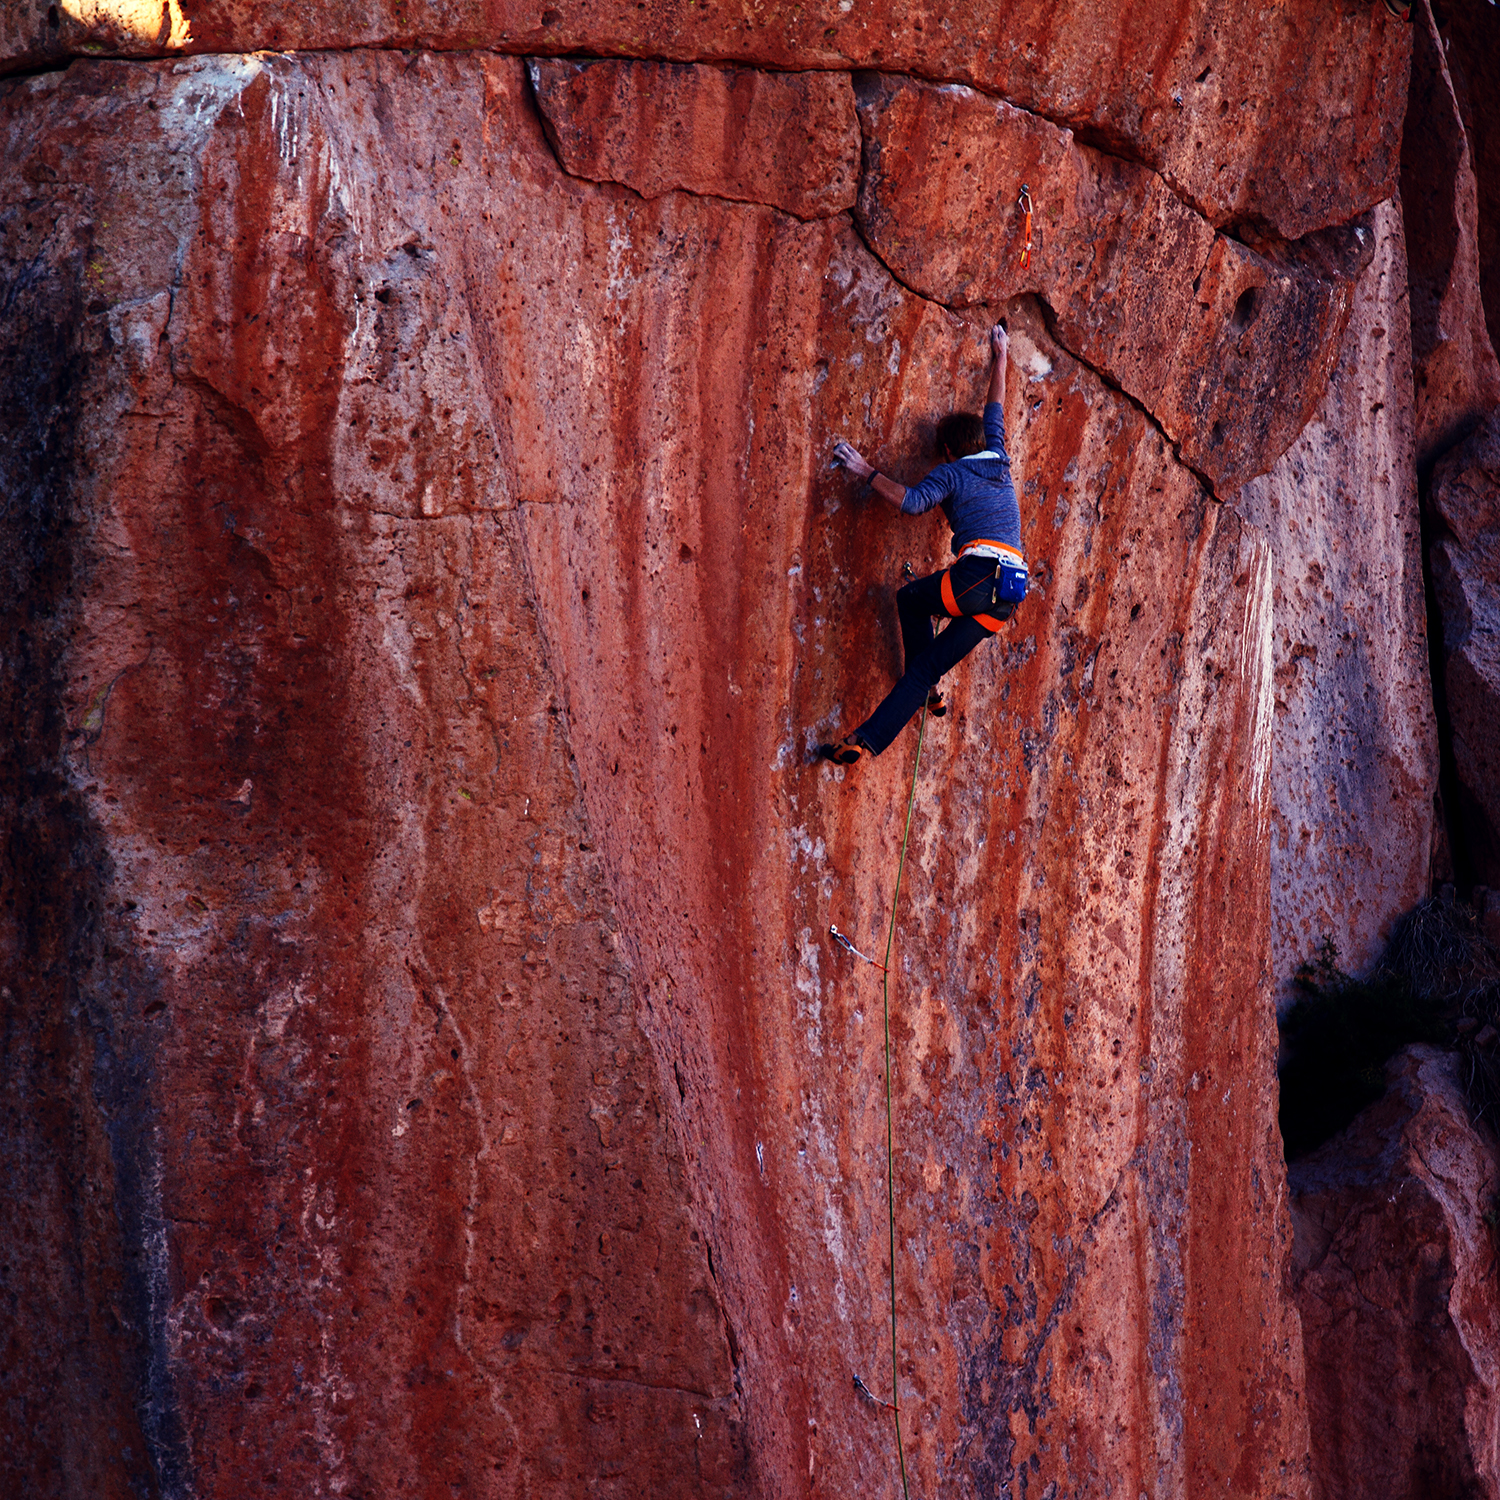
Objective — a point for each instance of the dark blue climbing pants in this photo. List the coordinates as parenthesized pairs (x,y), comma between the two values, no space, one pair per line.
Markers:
(928,656)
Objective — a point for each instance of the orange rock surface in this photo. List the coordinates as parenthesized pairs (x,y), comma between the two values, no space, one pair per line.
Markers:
(426,582)
(789,140)
(1227,350)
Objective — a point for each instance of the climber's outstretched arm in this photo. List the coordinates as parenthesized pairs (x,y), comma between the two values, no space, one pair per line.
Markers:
(999,346)
(888,490)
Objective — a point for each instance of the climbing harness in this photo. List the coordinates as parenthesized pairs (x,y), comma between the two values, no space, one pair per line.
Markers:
(1024,204)
(980,547)
(890,1168)
(1008,582)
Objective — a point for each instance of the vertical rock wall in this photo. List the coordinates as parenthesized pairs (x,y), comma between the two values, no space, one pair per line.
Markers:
(1288,120)
(1472,55)
(388,1150)
(427,584)
(1451,172)
(1356,742)
(1465,500)
(1394,1262)
(1457,374)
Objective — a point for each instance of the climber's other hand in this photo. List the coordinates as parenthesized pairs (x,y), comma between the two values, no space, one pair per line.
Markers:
(999,341)
(848,456)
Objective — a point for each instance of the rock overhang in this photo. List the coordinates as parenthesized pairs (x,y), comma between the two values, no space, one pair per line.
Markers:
(1201,97)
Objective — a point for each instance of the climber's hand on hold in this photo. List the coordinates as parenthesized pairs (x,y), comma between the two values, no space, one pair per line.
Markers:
(849,457)
(999,346)
(888,490)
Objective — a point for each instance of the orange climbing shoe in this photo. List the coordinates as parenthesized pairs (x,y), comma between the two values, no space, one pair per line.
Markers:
(846,753)
(935,705)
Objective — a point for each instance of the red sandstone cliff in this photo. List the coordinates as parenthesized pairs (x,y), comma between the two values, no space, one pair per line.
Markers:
(425,581)
(1394,1266)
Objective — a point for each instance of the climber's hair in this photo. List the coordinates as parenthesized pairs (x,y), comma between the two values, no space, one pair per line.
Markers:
(959,434)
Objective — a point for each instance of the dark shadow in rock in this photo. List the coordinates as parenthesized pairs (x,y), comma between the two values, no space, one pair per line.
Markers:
(1438,981)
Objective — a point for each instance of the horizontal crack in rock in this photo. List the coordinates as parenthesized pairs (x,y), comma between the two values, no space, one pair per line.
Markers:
(548,134)
(1050,317)
(1052,328)
(1081,133)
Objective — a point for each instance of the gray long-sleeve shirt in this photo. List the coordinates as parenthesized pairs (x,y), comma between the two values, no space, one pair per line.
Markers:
(975,492)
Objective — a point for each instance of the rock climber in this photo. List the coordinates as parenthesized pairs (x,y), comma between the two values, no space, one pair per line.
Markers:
(972,483)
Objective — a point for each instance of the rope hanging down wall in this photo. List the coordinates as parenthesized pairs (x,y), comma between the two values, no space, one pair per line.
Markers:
(1024,204)
(890,1175)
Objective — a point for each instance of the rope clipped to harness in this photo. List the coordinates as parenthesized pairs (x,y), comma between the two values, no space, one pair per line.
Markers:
(1024,204)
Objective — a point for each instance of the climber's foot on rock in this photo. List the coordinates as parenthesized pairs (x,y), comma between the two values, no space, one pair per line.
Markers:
(935,705)
(847,752)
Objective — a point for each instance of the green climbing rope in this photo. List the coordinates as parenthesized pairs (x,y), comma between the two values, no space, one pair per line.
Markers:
(890,1165)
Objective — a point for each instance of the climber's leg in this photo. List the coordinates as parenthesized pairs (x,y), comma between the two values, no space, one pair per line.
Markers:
(916,603)
(920,678)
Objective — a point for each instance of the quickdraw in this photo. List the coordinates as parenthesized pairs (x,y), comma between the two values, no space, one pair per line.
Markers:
(842,940)
(1024,204)
(1013,565)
